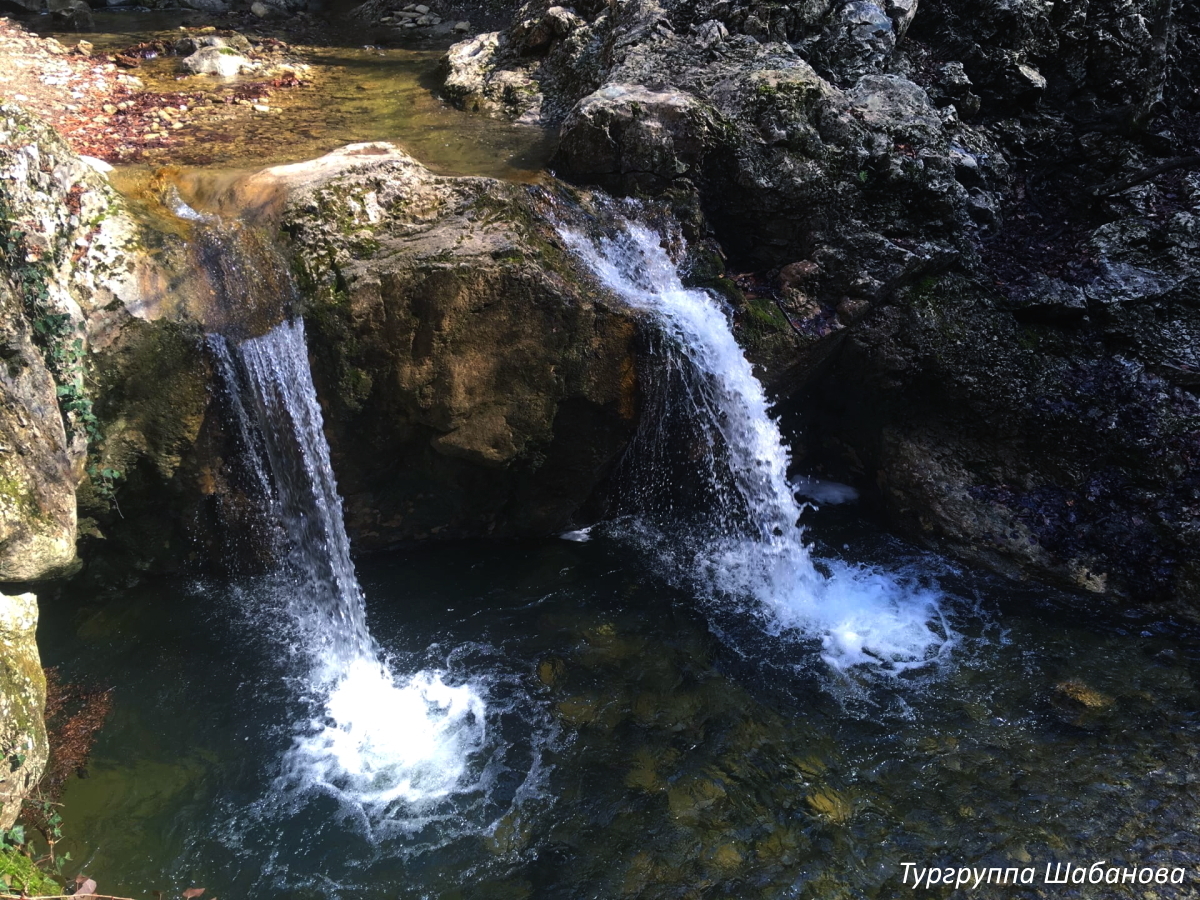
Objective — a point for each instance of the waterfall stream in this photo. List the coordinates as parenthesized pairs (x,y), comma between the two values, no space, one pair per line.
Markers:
(749,548)
(385,744)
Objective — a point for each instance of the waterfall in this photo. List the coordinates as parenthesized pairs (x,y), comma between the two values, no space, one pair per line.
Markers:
(385,745)
(749,548)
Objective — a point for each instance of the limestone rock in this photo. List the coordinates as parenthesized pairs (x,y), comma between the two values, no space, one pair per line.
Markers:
(37,478)
(477,382)
(22,705)
(468,65)
(95,304)
(222,61)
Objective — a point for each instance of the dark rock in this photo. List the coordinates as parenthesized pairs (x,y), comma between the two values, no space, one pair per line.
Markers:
(75,15)
(858,42)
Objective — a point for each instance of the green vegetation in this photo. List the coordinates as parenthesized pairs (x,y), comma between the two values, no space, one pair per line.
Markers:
(18,873)
(58,338)
(60,341)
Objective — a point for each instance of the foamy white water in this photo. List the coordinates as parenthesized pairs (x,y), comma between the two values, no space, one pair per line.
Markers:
(753,548)
(390,745)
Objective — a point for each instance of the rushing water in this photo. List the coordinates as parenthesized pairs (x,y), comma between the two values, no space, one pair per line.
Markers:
(569,719)
(388,747)
(749,550)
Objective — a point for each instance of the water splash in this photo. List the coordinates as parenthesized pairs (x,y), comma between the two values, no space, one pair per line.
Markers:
(389,746)
(748,549)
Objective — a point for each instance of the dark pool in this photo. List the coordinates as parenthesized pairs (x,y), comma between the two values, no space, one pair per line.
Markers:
(638,745)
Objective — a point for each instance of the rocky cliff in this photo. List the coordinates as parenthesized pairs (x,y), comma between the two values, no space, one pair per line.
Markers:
(981,227)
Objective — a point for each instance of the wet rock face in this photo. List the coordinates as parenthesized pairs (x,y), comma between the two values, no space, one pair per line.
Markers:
(943,204)
(22,705)
(1066,449)
(57,255)
(37,479)
(476,385)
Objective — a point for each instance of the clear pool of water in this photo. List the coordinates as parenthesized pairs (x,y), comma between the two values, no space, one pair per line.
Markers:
(637,744)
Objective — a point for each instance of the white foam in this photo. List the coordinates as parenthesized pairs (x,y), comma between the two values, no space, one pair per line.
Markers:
(391,745)
(821,491)
(861,617)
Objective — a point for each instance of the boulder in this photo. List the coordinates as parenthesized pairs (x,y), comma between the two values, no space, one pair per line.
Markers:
(476,382)
(75,15)
(22,705)
(225,62)
(626,136)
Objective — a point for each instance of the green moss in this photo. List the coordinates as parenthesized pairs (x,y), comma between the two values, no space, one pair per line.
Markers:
(354,387)
(18,873)
(767,314)
(15,493)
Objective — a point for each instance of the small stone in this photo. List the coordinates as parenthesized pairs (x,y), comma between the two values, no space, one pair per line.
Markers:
(421,8)
(261,107)
(84,48)
(109,109)
(462,27)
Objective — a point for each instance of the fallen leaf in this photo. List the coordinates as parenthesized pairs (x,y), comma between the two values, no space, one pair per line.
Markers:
(192,893)
(84,885)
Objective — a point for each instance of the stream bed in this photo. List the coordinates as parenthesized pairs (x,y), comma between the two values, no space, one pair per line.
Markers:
(629,750)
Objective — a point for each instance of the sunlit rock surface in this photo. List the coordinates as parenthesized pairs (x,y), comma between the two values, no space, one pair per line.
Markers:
(22,704)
